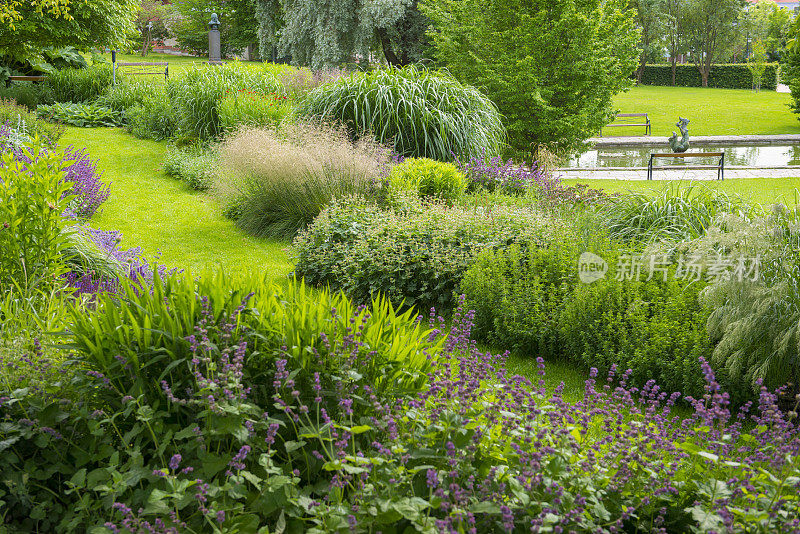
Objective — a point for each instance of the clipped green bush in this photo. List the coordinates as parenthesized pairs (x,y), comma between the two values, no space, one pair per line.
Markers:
(194,165)
(730,76)
(655,328)
(419,112)
(417,256)
(79,85)
(428,178)
(197,94)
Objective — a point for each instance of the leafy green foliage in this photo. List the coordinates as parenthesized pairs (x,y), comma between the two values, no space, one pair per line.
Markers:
(194,165)
(275,183)
(79,114)
(79,85)
(428,178)
(33,194)
(552,68)
(154,117)
(725,76)
(419,112)
(417,256)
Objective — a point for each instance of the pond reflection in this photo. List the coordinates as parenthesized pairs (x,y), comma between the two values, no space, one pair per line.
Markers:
(747,156)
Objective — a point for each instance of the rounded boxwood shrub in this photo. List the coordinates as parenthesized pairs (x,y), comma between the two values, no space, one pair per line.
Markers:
(428,178)
(421,113)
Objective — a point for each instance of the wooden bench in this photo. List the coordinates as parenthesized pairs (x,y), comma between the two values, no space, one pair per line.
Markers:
(720,166)
(631,117)
(26,78)
(143,70)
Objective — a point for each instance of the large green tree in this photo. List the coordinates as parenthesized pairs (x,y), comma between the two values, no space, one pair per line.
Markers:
(551,66)
(652,21)
(711,28)
(29,27)
(327,34)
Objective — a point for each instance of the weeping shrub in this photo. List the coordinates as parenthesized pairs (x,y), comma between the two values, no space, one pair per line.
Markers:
(275,183)
(419,112)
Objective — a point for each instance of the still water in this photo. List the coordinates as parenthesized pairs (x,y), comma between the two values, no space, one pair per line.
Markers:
(747,156)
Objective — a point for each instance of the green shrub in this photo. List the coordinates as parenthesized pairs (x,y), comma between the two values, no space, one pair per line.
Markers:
(420,113)
(82,115)
(194,165)
(153,118)
(32,231)
(428,178)
(196,95)
(79,85)
(518,292)
(27,125)
(28,94)
(417,257)
(245,108)
(278,182)
(733,76)
(654,328)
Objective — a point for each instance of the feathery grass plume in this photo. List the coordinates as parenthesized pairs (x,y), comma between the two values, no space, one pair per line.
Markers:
(278,182)
(420,112)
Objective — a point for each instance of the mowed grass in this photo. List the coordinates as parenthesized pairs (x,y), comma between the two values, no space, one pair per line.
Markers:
(177,64)
(162,215)
(711,111)
(764,191)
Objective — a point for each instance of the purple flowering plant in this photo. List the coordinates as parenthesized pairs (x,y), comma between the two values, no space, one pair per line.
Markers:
(271,412)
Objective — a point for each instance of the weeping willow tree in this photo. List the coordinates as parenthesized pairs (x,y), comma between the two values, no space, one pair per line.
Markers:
(330,33)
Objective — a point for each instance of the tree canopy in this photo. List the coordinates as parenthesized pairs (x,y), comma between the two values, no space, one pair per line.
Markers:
(326,34)
(551,66)
(28,27)
(237,18)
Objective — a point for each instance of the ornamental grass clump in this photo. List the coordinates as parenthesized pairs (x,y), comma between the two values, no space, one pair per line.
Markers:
(418,112)
(277,182)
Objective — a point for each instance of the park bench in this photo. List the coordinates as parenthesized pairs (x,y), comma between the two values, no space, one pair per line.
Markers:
(632,119)
(26,78)
(720,166)
(145,68)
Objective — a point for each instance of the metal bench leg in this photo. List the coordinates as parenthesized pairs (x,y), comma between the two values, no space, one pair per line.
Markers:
(650,168)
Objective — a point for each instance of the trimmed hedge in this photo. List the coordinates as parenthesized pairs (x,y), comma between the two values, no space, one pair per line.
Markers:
(731,76)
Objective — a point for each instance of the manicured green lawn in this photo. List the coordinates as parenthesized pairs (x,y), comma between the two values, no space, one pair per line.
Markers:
(763,191)
(711,111)
(161,214)
(177,64)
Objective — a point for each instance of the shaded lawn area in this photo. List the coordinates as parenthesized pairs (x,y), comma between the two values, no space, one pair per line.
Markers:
(161,214)
(711,111)
(764,191)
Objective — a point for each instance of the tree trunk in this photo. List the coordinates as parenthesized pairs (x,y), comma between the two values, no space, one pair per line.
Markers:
(673,63)
(386,45)
(640,70)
